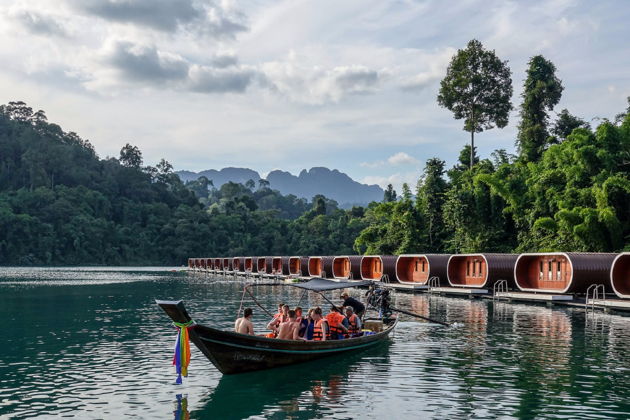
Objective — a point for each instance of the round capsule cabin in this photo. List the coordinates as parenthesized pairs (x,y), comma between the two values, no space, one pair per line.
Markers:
(562,272)
(320,266)
(261,265)
(276,265)
(620,275)
(419,268)
(191,263)
(347,267)
(378,267)
(217,264)
(248,266)
(227,264)
(479,271)
(209,264)
(298,266)
(238,264)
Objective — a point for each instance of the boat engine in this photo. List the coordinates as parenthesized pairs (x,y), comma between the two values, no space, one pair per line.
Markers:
(379,300)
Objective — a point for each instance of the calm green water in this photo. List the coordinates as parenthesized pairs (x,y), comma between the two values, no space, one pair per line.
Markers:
(90,343)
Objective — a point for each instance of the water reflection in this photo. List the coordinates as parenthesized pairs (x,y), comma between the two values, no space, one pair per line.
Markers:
(314,389)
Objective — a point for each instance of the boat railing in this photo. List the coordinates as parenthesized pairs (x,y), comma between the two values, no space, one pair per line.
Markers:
(499,287)
(385,278)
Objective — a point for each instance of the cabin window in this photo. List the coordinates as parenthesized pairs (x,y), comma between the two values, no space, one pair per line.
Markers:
(549,271)
(559,272)
(540,273)
(416,265)
(423,270)
(467,268)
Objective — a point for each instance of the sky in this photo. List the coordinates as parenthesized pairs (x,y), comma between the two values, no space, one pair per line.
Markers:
(293,84)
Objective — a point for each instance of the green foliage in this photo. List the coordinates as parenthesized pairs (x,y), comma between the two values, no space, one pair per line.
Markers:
(477,88)
(566,123)
(541,92)
(390,194)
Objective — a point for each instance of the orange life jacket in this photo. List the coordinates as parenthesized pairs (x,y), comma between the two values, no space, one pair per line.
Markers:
(318,332)
(354,325)
(335,320)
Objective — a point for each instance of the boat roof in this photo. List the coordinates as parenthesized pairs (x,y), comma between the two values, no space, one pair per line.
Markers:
(319,284)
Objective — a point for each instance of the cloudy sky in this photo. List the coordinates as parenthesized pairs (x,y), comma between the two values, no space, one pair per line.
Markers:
(293,84)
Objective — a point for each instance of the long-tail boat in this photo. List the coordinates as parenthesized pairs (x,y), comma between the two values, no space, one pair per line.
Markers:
(232,352)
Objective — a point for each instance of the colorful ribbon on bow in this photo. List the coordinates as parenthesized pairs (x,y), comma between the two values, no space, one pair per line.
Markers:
(181,358)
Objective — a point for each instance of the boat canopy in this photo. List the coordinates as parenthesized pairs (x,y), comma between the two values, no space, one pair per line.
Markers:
(320,285)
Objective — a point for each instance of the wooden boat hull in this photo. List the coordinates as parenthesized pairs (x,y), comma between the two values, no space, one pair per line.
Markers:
(232,352)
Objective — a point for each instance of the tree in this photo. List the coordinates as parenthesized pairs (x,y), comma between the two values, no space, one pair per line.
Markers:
(250,184)
(622,115)
(430,199)
(566,123)
(130,156)
(390,194)
(541,92)
(477,88)
(263,183)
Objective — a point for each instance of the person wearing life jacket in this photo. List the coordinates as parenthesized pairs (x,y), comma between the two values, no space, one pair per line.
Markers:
(335,322)
(354,322)
(320,329)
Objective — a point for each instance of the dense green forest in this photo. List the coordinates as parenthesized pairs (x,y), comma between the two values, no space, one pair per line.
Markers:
(567,189)
(61,204)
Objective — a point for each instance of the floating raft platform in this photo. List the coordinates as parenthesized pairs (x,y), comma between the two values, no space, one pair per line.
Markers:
(609,304)
(458,291)
(534,297)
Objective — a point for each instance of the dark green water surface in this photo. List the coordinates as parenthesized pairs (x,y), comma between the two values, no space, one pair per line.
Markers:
(91,343)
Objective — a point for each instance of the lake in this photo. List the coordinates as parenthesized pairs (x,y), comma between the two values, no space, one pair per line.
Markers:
(91,343)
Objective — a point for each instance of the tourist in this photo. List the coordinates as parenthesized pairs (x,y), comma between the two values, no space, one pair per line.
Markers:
(289,329)
(335,323)
(354,322)
(303,322)
(358,307)
(320,329)
(280,317)
(310,327)
(244,325)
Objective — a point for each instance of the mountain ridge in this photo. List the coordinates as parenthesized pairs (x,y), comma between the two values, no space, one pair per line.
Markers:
(331,183)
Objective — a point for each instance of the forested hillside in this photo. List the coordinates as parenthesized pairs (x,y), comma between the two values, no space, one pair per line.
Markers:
(61,204)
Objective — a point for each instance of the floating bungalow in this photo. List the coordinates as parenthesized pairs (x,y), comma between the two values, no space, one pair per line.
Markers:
(298,266)
(261,265)
(320,267)
(562,272)
(479,271)
(276,265)
(419,268)
(620,275)
(347,267)
(376,267)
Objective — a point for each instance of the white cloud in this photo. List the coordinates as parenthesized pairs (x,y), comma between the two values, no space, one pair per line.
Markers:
(398,159)
(402,158)
(301,82)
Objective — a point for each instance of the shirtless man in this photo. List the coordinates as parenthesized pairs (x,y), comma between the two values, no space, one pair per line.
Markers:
(280,317)
(289,330)
(244,325)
